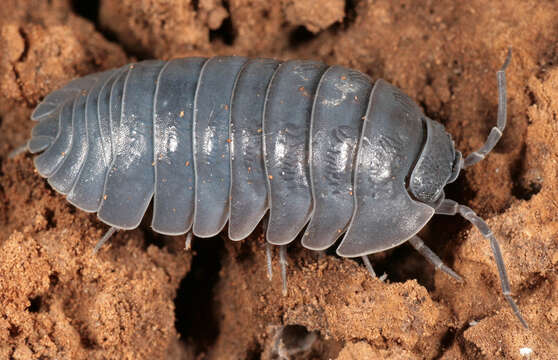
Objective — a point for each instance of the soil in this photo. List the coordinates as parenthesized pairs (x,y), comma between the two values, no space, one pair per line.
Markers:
(143,296)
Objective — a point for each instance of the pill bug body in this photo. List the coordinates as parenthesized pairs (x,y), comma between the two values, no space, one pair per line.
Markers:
(325,149)
(225,139)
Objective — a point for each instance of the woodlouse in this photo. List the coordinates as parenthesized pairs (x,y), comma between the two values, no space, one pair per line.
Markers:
(210,141)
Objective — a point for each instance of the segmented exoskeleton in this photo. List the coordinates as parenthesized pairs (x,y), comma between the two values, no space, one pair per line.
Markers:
(325,149)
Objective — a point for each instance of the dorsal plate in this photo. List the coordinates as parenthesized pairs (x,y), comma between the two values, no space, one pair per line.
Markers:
(392,136)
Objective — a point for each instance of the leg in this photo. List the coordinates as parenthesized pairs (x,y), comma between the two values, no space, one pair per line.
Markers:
(104,239)
(496,132)
(370,269)
(268,249)
(283,262)
(188,242)
(450,207)
(368,265)
(269,264)
(432,258)
(19,150)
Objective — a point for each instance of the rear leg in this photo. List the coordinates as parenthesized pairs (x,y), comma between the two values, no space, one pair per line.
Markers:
(284,263)
(188,241)
(268,257)
(104,239)
(370,269)
(19,150)
(368,265)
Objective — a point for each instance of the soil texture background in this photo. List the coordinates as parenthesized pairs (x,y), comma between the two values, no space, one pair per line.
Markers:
(143,296)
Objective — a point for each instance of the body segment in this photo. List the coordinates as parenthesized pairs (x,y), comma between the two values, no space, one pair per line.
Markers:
(211,143)
(87,190)
(249,185)
(286,127)
(339,107)
(65,176)
(173,202)
(130,180)
(391,139)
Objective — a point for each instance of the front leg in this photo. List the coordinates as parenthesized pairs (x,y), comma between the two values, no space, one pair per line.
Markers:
(450,207)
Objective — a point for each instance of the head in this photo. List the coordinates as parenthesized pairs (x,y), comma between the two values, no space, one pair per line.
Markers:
(438,165)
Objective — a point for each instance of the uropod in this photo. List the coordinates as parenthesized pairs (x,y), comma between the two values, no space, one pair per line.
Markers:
(209,141)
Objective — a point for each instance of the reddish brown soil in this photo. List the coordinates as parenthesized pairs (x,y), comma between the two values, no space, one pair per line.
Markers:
(145,297)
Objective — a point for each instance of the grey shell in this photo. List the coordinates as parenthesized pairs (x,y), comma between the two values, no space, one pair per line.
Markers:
(226,139)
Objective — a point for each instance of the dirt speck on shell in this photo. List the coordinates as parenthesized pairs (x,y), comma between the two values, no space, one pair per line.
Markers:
(144,297)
